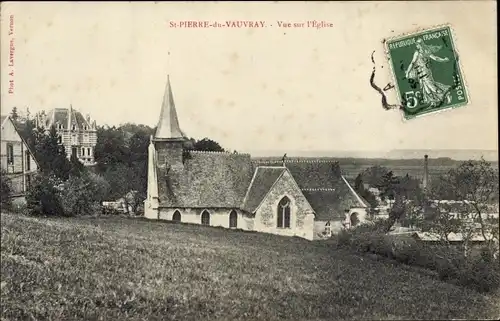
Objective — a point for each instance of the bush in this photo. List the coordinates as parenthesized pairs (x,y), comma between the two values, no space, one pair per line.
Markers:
(5,190)
(43,197)
(82,195)
(480,274)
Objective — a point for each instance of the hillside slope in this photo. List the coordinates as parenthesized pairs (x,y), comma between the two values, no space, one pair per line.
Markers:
(131,269)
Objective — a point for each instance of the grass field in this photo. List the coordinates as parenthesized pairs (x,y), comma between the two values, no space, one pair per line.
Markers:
(132,269)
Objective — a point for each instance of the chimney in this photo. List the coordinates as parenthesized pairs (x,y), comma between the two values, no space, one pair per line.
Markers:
(425,180)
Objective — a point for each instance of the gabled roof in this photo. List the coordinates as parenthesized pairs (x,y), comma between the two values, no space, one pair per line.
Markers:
(18,129)
(262,181)
(323,185)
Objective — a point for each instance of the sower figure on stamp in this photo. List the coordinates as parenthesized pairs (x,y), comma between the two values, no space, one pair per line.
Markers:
(434,92)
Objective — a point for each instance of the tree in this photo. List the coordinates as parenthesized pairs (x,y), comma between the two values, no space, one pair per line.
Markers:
(207,144)
(373,176)
(474,188)
(76,167)
(50,154)
(82,194)
(359,187)
(14,114)
(43,198)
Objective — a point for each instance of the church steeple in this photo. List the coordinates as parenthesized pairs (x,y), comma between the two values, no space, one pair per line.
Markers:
(168,124)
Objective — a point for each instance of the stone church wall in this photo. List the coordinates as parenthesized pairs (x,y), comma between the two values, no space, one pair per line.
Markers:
(302,219)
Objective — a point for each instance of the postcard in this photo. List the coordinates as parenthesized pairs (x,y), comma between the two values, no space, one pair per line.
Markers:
(249,160)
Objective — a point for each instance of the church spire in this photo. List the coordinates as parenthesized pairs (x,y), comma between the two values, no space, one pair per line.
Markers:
(168,124)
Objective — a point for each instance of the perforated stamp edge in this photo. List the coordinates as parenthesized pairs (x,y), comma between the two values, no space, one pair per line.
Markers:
(417,31)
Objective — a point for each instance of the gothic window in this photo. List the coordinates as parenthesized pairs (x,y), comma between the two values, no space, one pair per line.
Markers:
(284,213)
(205,218)
(176,217)
(233,219)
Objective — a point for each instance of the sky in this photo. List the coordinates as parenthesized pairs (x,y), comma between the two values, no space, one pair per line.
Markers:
(249,89)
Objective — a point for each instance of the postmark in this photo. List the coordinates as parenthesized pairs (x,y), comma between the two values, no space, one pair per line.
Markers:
(426,71)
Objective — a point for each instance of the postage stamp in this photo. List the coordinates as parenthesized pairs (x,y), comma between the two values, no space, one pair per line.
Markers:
(426,71)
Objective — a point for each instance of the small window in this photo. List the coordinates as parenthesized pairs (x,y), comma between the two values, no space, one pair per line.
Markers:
(59,126)
(176,217)
(28,161)
(328,228)
(233,219)
(73,127)
(10,154)
(205,218)
(59,139)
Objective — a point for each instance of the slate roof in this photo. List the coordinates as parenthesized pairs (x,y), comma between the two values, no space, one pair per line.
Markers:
(225,180)
(262,181)
(323,185)
(208,179)
(62,116)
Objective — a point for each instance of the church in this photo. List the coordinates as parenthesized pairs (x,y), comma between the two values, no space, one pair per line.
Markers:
(307,198)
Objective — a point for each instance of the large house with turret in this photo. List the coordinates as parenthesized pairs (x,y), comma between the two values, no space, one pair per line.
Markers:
(304,198)
(77,134)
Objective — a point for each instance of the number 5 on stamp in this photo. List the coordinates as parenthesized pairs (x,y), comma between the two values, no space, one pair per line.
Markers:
(426,71)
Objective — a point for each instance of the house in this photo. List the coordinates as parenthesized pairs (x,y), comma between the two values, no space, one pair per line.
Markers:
(305,198)
(17,159)
(77,134)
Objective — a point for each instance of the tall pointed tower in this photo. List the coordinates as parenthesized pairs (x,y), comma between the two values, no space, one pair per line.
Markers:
(165,153)
(169,138)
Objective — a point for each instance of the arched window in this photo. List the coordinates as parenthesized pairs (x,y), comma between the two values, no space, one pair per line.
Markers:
(233,219)
(205,217)
(176,217)
(328,228)
(354,219)
(284,213)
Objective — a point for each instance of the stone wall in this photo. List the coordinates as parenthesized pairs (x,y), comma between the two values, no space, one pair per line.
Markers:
(302,219)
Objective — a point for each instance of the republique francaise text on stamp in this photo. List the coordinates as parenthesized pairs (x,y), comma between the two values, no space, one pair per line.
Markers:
(426,71)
